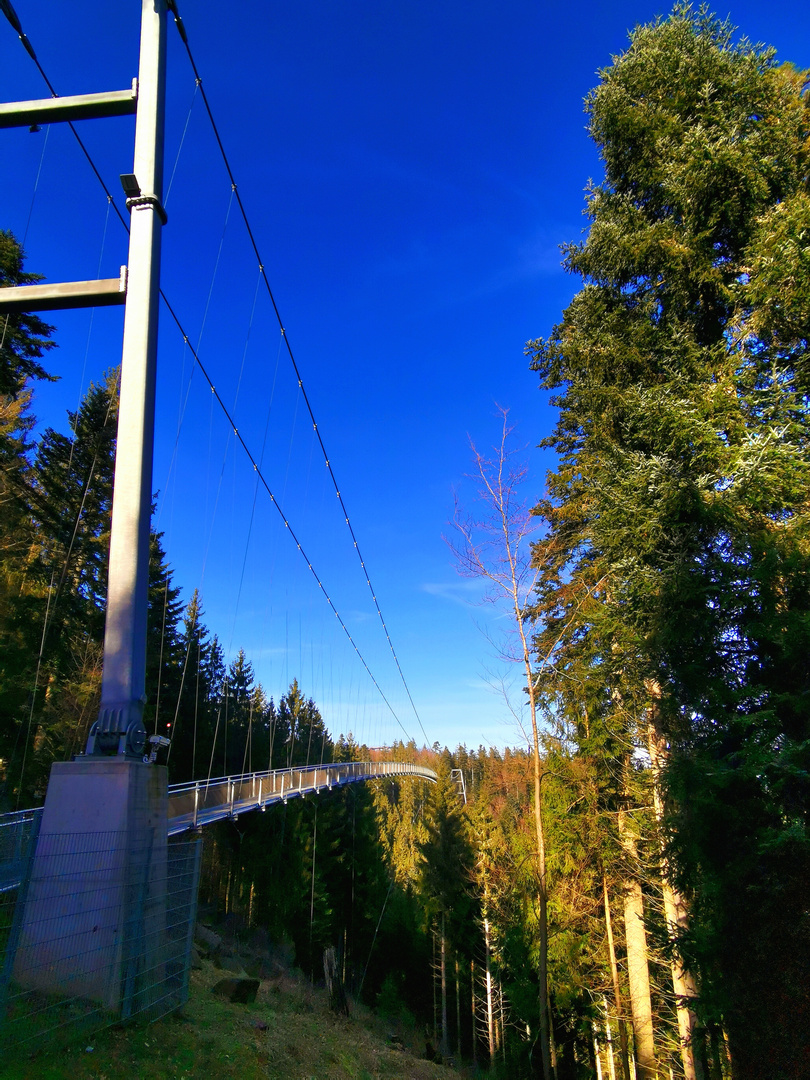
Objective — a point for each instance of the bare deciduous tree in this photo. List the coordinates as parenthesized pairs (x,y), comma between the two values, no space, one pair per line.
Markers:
(495,547)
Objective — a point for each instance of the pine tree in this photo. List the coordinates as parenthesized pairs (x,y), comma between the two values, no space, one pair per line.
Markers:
(24,338)
(164,646)
(24,341)
(678,555)
(72,503)
(190,715)
(308,739)
(238,716)
(62,592)
(19,601)
(444,873)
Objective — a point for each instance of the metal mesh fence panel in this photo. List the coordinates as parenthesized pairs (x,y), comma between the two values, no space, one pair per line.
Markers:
(93,931)
(18,833)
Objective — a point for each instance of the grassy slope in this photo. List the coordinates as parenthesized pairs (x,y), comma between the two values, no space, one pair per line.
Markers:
(215,1040)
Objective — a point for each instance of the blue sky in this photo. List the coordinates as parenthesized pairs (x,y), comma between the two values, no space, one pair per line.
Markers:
(410,171)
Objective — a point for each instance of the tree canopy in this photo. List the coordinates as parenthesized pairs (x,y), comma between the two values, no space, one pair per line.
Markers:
(679,508)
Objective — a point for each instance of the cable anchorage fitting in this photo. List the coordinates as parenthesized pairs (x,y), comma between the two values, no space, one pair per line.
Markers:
(148,200)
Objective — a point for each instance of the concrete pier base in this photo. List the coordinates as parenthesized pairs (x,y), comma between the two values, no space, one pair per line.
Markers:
(94,920)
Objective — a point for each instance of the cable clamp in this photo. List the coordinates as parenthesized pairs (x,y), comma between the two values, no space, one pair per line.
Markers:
(148,200)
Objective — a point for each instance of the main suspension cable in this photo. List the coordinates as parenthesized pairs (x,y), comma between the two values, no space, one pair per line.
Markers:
(172,5)
(274,501)
(11,15)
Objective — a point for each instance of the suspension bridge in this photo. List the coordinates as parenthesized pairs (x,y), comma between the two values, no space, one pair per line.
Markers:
(110,810)
(119,728)
(201,802)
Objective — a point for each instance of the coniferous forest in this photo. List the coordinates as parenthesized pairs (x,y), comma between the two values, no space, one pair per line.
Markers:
(629,892)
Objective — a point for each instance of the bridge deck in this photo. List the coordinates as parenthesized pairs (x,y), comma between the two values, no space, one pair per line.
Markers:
(200,802)
(197,803)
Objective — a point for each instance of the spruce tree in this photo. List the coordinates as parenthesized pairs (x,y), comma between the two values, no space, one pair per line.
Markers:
(445,871)
(72,504)
(24,341)
(24,338)
(164,646)
(62,593)
(676,568)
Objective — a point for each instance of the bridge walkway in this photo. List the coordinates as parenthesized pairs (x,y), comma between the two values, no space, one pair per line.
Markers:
(199,802)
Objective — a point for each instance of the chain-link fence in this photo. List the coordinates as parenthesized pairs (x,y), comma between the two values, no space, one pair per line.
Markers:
(92,931)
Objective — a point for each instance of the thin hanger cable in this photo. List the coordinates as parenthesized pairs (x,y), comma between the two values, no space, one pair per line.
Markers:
(281,513)
(36,184)
(9,12)
(34,693)
(198,78)
(180,147)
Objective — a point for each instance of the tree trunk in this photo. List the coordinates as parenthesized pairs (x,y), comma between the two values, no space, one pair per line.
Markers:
(502,1023)
(716,1063)
(684,986)
(617,995)
(675,909)
(638,974)
(338,1002)
(542,965)
(474,1017)
(458,1013)
(552,1045)
(596,1052)
(490,1014)
(435,1010)
(609,1042)
(444,1043)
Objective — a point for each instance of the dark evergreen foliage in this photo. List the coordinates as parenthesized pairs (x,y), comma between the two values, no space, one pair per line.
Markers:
(676,568)
(672,614)
(24,338)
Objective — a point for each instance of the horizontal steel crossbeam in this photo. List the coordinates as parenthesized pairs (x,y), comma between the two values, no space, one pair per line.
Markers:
(77,107)
(55,296)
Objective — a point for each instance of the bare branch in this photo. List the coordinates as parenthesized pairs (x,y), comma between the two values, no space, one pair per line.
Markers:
(495,547)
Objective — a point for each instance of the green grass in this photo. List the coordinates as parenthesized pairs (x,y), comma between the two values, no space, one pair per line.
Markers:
(289,1033)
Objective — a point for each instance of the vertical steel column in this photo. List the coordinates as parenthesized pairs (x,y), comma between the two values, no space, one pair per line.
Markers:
(119,728)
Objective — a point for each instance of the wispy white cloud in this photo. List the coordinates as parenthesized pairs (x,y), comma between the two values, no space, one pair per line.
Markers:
(356,615)
(458,592)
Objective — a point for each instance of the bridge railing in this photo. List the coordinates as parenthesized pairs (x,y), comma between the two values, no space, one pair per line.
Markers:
(198,802)
(194,804)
